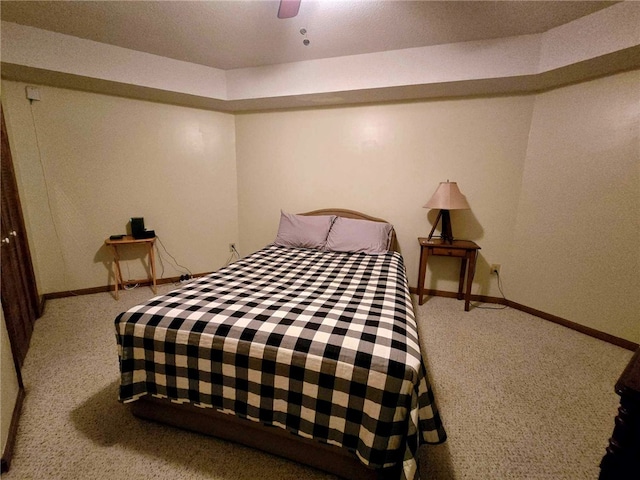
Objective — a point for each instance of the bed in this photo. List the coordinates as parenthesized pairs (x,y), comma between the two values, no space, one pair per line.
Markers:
(307,349)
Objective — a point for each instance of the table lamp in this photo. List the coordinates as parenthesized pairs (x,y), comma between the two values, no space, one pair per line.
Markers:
(447,197)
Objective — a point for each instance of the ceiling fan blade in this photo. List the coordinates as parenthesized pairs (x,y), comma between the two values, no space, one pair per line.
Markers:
(288,8)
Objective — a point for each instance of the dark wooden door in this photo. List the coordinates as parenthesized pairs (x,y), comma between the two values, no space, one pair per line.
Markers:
(20,301)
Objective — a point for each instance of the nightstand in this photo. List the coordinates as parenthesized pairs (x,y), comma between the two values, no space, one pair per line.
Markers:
(123,242)
(465,250)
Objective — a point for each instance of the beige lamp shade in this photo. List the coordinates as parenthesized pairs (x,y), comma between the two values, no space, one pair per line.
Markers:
(448,197)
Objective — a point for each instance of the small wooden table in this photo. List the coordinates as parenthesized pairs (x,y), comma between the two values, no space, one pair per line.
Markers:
(466,250)
(129,240)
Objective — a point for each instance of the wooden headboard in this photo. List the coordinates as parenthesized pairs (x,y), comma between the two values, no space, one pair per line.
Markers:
(341,212)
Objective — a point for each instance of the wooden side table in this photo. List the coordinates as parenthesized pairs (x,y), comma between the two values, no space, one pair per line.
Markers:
(466,250)
(129,240)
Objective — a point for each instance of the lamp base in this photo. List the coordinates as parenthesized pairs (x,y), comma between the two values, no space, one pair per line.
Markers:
(447,235)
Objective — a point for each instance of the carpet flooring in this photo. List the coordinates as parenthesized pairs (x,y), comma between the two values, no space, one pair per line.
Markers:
(521,398)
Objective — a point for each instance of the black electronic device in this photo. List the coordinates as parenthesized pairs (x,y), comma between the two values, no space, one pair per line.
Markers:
(138,231)
(137,227)
(116,237)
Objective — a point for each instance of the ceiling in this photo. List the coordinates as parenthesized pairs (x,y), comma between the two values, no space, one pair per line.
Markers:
(246,33)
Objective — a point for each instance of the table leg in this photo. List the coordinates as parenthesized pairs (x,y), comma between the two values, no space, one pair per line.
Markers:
(463,270)
(424,255)
(152,261)
(472,272)
(117,273)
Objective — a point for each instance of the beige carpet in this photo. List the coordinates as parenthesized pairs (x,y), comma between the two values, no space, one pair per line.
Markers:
(521,398)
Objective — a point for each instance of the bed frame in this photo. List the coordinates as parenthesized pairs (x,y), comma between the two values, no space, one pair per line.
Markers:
(340,212)
(336,460)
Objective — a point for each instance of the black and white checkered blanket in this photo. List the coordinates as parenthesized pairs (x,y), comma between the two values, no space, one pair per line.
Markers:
(322,344)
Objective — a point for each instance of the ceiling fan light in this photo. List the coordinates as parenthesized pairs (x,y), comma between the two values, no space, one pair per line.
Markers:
(288,8)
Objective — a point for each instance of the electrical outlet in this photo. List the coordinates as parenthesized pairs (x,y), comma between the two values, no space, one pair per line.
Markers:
(495,268)
(232,247)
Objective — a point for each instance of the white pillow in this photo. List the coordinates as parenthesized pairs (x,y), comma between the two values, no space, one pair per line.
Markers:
(350,235)
(303,231)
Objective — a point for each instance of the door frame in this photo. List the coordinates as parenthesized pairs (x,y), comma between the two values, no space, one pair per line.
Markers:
(27,287)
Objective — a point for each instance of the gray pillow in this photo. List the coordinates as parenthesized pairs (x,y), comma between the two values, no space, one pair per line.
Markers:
(303,231)
(350,235)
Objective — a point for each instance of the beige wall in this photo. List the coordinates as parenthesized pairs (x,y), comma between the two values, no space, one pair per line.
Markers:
(8,386)
(552,180)
(107,159)
(576,251)
(387,160)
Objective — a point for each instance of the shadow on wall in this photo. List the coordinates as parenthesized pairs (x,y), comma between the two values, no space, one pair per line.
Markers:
(134,262)
(464,224)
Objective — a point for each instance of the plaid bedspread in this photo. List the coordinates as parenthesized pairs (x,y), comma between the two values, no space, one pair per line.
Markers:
(322,344)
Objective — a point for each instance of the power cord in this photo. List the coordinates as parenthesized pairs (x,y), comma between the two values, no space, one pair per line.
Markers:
(234,253)
(48,193)
(501,292)
(183,277)
(129,286)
